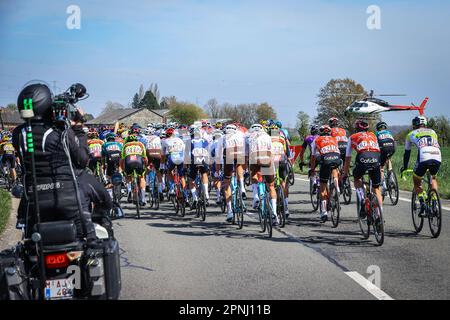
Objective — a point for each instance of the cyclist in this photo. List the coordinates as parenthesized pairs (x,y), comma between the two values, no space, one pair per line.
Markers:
(154,153)
(260,160)
(199,160)
(95,145)
(429,157)
(231,148)
(365,144)
(386,142)
(280,154)
(173,157)
(314,133)
(325,151)
(111,152)
(7,155)
(341,136)
(216,163)
(134,157)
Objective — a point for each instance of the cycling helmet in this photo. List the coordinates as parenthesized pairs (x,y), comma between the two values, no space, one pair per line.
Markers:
(279,124)
(419,121)
(333,122)
(111,137)
(361,125)
(230,129)
(381,126)
(151,131)
(217,133)
(314,130)
(163,134)
(325,130)
(36,98)
(263,123)
(132,138)
(93,134)
(170,131)
(6,138)
(256,127)
(218,125)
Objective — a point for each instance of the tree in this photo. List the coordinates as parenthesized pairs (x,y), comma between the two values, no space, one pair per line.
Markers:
(187,113)
(302,125)
(141,92)
(168,102)
(149,101)
(155,90)
(334,98)
(135,103)
(111,106)
(265,111)
(11,106)
(213,108)
(441,125)
(88,116)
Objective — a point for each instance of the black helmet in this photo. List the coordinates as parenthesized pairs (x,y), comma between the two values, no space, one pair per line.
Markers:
(36,97)
(325,130)
(381,125)
(333,122)
(314,130)
(419,121)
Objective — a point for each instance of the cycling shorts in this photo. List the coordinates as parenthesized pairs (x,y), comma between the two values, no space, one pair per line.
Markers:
(193,169)
(368,162)
(328,162)
(267,171)
(420,169)
(9,158)
(134,163)
(386,154)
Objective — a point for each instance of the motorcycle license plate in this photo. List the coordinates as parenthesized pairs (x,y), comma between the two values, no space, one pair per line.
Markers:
(59,289)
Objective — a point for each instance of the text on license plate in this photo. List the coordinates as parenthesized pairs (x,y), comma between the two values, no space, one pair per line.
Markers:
(59,289)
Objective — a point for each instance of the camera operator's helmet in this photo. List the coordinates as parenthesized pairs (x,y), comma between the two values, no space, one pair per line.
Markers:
(314,130)
(381,126)
(36,97)
(361,125)
(333,122)
(325,130)
(111,137)
(419,121)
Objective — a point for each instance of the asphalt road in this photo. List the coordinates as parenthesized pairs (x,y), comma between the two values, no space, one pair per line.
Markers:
(165,256)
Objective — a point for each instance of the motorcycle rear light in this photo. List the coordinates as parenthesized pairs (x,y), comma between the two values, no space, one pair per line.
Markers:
(56,260)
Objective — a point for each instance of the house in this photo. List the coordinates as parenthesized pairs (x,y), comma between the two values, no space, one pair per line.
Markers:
(9,118)
(141,116)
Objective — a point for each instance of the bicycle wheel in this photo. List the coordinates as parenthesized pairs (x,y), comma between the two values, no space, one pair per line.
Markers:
(435,213)
(247,179)
(415,209)
(136,191)
(335,205)
(291,175)
(223,203)
(314,197)
(378,222)
(347,192)
(281,206)
(392,185)
(269,217)
(262,216)
(241,210)
(363,225)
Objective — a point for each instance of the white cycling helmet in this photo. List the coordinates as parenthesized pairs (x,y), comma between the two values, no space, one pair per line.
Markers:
(231,128)
(256,127)
(217,133)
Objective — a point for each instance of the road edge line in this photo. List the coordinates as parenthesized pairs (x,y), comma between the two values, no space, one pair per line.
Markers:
(369,286)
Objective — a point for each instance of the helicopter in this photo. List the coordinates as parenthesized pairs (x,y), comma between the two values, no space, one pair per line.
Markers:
(370,105)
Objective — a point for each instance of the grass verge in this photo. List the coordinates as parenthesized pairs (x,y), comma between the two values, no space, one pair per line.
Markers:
(5,208)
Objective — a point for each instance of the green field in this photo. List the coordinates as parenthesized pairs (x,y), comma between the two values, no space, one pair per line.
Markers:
(5,208)
(397,162)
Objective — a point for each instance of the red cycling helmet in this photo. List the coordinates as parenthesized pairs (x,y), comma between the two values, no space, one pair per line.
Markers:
(170,132)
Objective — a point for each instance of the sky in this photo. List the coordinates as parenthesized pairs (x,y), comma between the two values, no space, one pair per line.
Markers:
(280,52)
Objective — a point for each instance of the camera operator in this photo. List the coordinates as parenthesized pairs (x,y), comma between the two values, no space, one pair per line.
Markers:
(57,192)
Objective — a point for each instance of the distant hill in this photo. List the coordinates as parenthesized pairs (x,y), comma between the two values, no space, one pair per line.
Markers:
(399,128)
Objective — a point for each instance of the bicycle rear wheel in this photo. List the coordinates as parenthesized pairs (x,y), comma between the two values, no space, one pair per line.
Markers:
(314,197)
(136,192)
(281,206)
(291,174)
(347,192)
(363,225)
(378,222)
(223,203)
(335,205)
(435,213)
(415,209)
(269,217)
(392,185)
(262,217)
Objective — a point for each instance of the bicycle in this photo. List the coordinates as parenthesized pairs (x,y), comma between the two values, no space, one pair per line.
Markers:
(433,209)
(291,174)
(391,182)
(333,200)
(178,199)
(345,187)
(201,202)
(281,204)
(265,210)
(136,192)
(116,180)
(7,176)
(237,203)
(374,214)
(153,193)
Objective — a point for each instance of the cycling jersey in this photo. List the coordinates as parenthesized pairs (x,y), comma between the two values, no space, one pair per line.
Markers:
(173,148)
(234,144)
(154,146)
(362,142)
(199,152)
(95,147)
(260,148)
(385,139)
(134,153)
(279,148)
(111,151)
(324,145)
(427,143)
(7,148)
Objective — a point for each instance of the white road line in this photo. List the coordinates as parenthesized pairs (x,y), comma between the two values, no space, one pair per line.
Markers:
(369,286)
(400,198)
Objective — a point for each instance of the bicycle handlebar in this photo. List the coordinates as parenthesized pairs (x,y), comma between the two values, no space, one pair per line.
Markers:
(405,173)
